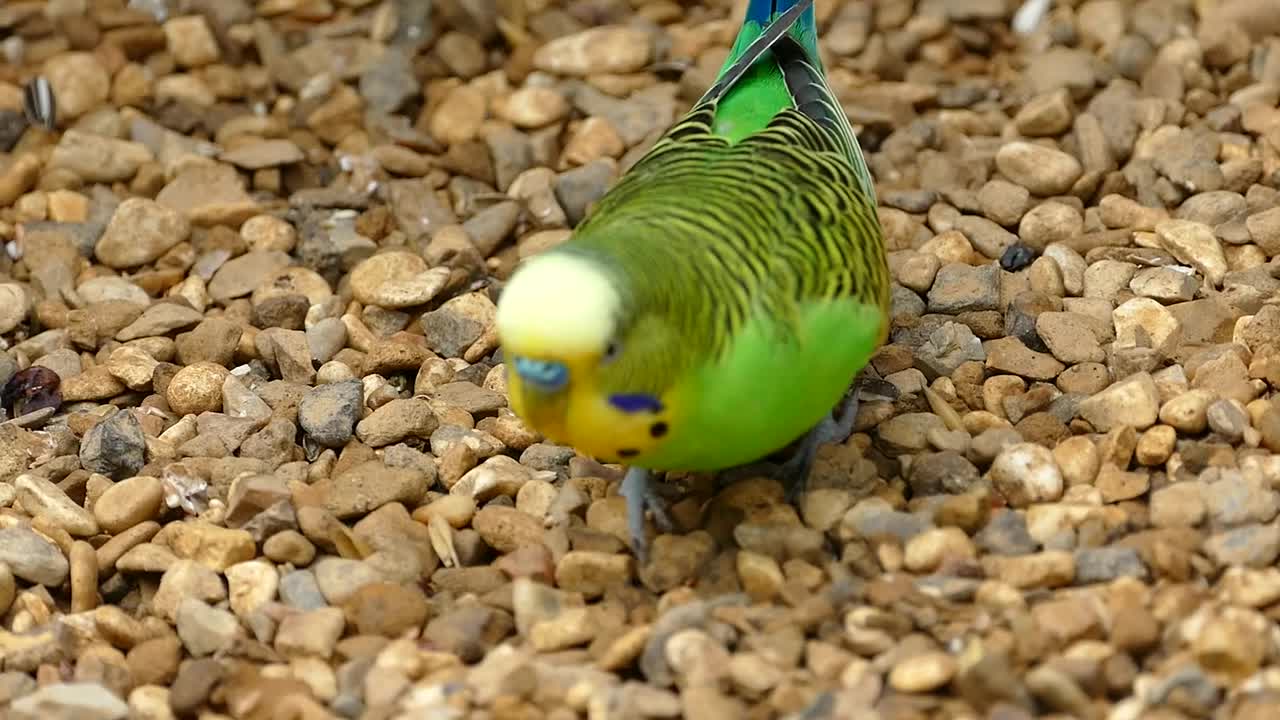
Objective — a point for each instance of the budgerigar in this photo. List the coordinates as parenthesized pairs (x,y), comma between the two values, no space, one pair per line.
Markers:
(720,299)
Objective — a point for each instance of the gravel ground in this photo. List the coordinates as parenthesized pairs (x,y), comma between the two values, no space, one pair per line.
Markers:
(259,462)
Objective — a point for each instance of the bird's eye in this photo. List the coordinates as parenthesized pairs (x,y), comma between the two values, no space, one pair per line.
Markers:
(611,351)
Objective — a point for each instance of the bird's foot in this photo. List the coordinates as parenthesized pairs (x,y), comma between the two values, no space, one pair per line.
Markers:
(642,494)
(794,472)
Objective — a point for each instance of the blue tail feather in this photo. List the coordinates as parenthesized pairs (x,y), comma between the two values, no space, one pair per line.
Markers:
(764,11)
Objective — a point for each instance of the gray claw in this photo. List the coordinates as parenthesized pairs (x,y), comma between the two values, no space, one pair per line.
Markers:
(641,494)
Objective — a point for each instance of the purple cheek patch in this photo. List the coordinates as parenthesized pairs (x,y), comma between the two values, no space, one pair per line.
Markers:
(635,402)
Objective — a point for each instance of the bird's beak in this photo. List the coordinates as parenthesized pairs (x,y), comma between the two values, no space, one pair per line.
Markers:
(541,410)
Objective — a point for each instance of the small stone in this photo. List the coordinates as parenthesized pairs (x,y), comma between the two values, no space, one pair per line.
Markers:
(160,319)
(1133,401)
(197,388)
(397,420)
(289,546)
(1264,228)
(251,585)
(1195,244)
(386,609)
(310,634)
(963,288)
(132,366)
(69,701)
(115,447)
(1254,546)
(1166,285)
(1115,485)
(203,629)
(533,107)
(190,41)
(214,340)
(80,82)
(397,279)
(259,154)
(96,158)
(592,573)
(1048,223)
(32,558)
(458,324)
(507,529)
(922,673)
(1026,473)
(1010,355)
(210,545)
(933,548)
(607,49)
(1049,569)
(140,231)
(1042,170)
(186,579)
(43,499)
(288,352)
(329,413)
(1045,115)
(242,275)
(210,194)
(1145,323)
(1071,337)
(1188,412)
(370,485)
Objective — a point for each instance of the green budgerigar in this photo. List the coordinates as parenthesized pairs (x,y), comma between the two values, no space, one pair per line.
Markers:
(720,299)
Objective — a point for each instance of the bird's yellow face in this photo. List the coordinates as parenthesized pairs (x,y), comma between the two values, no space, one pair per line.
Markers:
(610,428)
(556,325)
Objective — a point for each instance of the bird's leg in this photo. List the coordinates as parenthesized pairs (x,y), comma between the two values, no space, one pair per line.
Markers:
(642,494)
(794,472)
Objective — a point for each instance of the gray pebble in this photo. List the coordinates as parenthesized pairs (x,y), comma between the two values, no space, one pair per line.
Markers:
(114,447)
(329,413)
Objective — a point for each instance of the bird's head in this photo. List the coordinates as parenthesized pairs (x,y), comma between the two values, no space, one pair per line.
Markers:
(564,321)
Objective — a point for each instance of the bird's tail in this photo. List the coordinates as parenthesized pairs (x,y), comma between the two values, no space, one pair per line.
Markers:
(763,12)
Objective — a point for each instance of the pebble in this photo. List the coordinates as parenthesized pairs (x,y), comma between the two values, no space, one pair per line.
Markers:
(329,413)
(95,158)
(607,49)
(210,194)
(203,629)
(190,41)
(115,447)
(1042,170)
(312,633)
(240,276)
(140,231)
(32,558)
(80,82)
(397,279)
(1133,401)
(386,609)
(922,673)
(43,499)
(370,485)
(1194,244)
(197,388)
(961,288)
(128,503)
(1027,473)
(66,700)
(397,420)
(250,586)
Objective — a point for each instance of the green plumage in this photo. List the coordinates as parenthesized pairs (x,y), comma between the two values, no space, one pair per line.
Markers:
(749,255)
(739,277)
